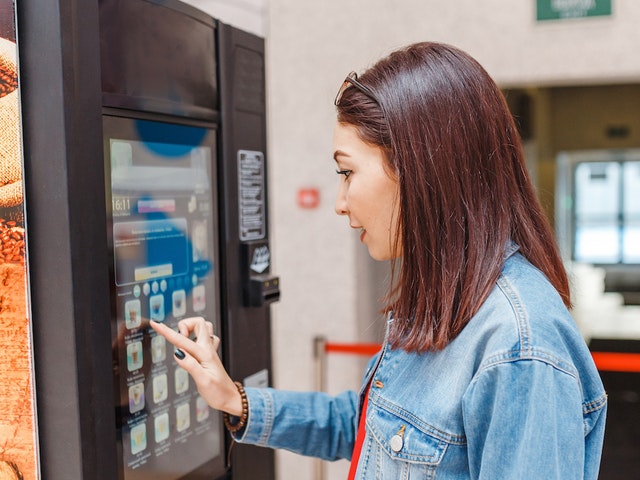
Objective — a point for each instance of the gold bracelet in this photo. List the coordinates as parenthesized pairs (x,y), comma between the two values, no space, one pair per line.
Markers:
(242,421)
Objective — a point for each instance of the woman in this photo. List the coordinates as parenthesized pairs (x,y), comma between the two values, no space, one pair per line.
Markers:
(483,373)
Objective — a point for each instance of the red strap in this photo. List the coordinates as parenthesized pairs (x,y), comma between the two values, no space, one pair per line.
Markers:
(357,448)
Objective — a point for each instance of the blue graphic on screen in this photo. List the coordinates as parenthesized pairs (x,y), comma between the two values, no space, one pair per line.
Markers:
(183,138)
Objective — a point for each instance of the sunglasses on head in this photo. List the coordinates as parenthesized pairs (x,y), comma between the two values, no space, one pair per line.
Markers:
(352,79)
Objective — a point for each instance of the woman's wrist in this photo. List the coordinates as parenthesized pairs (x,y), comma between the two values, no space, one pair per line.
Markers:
(240,411)
(233,405)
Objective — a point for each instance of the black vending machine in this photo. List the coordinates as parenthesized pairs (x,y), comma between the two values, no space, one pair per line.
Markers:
(184,223)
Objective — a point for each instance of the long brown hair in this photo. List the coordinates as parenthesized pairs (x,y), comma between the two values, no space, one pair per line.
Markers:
(465,193)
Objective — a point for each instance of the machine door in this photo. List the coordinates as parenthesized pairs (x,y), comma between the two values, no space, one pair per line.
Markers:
(163,227)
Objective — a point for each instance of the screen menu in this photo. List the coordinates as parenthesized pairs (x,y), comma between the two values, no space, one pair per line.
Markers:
(163,214)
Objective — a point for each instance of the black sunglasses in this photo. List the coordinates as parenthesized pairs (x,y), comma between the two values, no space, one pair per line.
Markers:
(352,79)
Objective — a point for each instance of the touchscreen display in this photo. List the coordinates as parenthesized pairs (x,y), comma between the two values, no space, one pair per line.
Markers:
(163,227)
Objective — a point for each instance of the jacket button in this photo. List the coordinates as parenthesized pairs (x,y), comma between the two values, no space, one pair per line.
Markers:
(396,443)
(378,384)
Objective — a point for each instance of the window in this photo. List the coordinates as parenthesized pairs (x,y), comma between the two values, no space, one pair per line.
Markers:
(598,207)
(606,213)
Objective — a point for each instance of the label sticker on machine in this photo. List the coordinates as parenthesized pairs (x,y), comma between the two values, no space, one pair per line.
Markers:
(251,195)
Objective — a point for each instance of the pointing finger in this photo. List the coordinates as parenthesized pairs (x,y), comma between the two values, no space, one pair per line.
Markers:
(176,339)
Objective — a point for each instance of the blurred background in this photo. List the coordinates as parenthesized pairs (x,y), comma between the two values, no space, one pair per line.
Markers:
(571,75)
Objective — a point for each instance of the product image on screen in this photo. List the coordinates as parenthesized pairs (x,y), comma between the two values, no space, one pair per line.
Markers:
(163,226)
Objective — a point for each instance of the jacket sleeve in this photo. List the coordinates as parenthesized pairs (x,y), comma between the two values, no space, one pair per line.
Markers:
(309,423)
(524,419)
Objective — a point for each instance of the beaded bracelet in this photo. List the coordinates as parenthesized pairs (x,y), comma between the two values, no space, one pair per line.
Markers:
(234,427)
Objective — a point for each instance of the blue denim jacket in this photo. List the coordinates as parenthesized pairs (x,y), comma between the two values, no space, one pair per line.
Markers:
(515,396)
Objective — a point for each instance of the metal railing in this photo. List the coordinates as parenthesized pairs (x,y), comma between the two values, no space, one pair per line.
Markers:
(321,349)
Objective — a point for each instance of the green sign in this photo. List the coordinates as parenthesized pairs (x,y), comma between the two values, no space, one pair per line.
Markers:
(561,9)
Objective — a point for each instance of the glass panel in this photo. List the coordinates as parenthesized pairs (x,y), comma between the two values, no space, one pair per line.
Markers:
(631,212)
(164,226)
(631,179)
(597,190)
(597,206)
(597,244)
(631,245)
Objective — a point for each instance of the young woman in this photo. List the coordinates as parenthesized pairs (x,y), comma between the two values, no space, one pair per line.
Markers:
(483,373)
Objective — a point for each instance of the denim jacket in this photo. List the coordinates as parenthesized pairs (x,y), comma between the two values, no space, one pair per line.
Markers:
(515,396)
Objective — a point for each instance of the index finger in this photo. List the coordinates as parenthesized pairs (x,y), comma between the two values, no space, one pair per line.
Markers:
(173,337)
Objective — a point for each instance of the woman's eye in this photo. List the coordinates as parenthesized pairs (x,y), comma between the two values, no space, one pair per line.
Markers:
(346,173)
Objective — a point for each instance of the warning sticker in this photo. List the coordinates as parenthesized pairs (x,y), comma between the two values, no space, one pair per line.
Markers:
(251,201)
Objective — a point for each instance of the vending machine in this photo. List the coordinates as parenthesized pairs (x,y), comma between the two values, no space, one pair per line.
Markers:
(162,167)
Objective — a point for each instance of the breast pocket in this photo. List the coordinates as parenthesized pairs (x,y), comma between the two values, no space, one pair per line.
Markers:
(397,448)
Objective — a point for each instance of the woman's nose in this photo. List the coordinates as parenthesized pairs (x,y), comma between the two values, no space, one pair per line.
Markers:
(341,206)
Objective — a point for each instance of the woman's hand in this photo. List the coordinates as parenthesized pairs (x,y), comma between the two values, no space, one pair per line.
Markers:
(202,362)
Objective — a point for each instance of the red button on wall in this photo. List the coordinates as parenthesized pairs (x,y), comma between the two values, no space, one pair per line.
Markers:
(308,198)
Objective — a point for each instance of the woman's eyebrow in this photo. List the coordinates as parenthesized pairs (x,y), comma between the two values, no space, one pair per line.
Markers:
(339,153)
